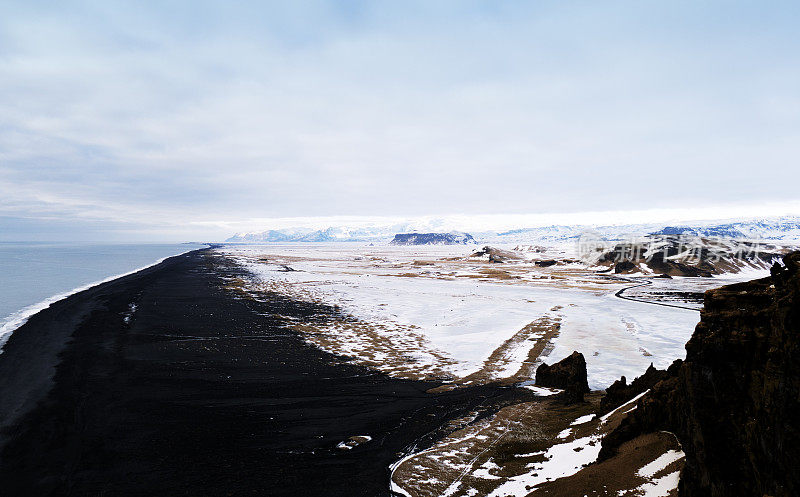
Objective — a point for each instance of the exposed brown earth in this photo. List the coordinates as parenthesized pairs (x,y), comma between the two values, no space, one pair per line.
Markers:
(478,458)
(617,477)
(495,444)
(542,332)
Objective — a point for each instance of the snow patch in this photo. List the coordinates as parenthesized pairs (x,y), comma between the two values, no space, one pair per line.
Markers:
(660,487)
(542,391)
(626,404)
(564,433)
(560,460)
(664,460)
(583,419)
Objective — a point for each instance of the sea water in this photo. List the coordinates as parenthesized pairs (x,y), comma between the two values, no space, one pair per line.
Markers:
(34,275)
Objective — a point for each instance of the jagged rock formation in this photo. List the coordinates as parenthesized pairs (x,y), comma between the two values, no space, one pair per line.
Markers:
(679,255)
(620,391)
(431,239)
(498,255)
(569,374)
(734,403)
(625,267)
(702,267)
(517,255)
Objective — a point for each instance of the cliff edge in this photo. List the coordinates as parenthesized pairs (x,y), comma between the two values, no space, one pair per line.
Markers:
(734,403)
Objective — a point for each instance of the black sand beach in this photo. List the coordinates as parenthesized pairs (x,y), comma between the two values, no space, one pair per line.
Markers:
(199,393)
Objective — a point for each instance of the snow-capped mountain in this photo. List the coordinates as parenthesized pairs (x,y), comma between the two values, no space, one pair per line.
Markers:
(787,228)
(357,232)
(782,229)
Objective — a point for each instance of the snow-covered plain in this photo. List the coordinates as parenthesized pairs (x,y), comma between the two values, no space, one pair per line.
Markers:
(450,312)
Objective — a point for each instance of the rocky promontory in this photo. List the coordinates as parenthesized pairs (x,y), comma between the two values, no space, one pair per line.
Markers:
(569,375)
(734,403)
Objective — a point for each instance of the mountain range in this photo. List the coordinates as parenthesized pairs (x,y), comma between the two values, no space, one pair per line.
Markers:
(784,229)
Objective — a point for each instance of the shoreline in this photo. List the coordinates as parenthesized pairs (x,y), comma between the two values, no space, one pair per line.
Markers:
(163,382)
(21,316)
(29,388)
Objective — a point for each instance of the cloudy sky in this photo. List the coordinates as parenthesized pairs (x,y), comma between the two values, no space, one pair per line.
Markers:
(176,120)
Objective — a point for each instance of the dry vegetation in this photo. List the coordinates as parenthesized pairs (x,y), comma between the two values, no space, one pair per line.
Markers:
(476,459)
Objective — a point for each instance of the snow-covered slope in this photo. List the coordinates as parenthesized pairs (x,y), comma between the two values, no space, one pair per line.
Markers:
(775,229)
(344,233)
(784,229)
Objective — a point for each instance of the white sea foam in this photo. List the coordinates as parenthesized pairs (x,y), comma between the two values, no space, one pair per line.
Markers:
(20,317)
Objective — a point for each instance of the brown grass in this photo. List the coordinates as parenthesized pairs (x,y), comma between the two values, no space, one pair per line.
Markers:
(542,332)
(500,440)
(479,457)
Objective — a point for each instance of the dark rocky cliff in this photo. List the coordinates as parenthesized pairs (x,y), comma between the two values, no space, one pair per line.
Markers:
(621,392)
(734,403)
(569,375)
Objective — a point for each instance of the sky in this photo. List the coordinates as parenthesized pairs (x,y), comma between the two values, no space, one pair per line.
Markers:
(174,121)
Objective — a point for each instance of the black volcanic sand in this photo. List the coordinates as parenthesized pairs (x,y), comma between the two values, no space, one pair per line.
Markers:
(200,393)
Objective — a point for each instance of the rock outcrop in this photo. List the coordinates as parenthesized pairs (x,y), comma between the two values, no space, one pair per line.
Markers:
(620,391)
(569,374)
(431,239)
(679,255)
(498,255)
(625,267)
(734,403)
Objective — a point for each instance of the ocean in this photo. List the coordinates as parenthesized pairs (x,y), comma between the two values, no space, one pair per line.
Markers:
(34,274)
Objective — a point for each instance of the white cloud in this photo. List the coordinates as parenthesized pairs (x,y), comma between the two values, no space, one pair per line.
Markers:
(162,116)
